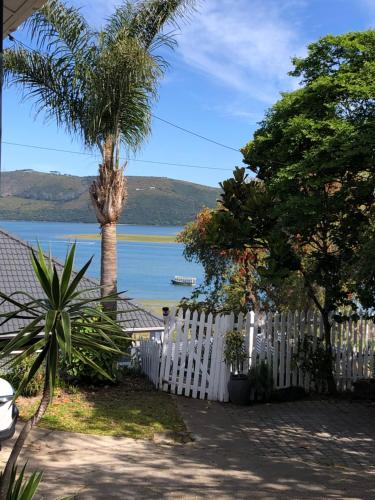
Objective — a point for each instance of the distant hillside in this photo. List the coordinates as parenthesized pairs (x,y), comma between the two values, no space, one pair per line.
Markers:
(30,195)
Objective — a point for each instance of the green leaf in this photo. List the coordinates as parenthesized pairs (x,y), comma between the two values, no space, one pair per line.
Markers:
(67,329)
(77,279)
(67,272)
(55,288)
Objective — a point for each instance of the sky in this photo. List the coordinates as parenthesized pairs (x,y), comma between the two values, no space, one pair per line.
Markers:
(230,66)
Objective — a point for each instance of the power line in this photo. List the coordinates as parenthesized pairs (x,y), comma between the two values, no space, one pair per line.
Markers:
(183,129)
(186,165)
(195,134)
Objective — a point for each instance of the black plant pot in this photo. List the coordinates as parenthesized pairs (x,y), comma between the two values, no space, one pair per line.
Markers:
(239,389)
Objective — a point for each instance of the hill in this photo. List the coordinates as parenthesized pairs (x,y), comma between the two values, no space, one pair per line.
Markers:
(31,195)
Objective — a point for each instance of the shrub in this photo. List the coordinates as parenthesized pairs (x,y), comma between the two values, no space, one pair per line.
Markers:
(86,373)
(234,351)
(261,381)
(16,374)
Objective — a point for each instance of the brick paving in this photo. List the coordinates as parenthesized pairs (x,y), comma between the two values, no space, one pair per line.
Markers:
(328,432)
(307,449)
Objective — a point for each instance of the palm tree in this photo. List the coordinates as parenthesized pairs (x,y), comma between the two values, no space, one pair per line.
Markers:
(66,322)
(99,85)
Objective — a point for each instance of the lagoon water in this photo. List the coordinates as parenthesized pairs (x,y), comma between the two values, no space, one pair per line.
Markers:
(144,269)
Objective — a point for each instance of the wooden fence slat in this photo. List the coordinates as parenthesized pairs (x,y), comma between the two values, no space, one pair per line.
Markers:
(214,355)
(308,335)
(206,357)
(253,327)
(181,380)
(360,348)
(224,368)
(198,356)
(176,352)
(288,349)
(190,352)
(295,336)
(282,380)
(301,336)
(275,357)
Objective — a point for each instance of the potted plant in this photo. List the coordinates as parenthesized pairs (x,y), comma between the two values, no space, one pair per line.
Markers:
(234,356)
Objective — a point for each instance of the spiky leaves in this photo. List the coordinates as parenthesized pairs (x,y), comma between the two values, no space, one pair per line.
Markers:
(63,323)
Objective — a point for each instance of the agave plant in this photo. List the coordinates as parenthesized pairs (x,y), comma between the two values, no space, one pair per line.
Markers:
(21,488)
(68,320)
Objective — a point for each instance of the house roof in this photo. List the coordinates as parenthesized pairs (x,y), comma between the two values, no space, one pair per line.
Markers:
(17,274)
(15,12)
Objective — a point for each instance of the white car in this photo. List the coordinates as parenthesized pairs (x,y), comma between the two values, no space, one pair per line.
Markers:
(8,411)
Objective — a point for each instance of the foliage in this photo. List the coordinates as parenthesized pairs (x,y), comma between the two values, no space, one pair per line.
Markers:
(16,374)
(61,324)
(315,361)
(82,372)
(234,350)
(314,191)
(233,282)
(261,381)
(22,488)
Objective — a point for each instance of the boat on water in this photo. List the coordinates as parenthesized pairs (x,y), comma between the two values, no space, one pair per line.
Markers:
(184,281)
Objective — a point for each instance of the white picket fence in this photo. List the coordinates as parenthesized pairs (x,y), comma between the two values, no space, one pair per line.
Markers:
(189,360)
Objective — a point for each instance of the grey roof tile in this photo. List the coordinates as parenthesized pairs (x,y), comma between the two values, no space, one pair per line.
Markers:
(16,274)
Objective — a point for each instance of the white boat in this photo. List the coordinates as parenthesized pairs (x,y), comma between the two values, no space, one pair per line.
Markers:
(184,280)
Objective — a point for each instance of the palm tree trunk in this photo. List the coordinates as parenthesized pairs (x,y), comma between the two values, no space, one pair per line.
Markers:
(108,278)
(18,445)
(108,193)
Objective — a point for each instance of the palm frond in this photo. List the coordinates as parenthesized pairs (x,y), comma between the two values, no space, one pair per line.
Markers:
(48,82)
(152,16)
(60,29)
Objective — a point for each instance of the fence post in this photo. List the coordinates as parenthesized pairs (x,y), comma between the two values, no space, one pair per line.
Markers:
(165,320)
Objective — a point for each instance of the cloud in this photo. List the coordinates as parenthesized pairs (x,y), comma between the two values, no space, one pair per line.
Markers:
(244,44)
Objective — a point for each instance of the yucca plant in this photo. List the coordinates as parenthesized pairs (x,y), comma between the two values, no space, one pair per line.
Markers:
(68,320)
(99,85)
(22,488)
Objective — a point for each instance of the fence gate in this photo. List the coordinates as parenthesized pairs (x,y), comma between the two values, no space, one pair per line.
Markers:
(189,360)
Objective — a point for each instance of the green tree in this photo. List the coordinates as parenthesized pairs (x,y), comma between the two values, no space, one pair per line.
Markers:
(313,157)
(99,85)
(232,281)
(67,322)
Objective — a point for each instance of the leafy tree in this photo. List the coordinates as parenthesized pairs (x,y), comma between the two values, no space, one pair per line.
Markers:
(313,157)
(99,85)
(66,322)
(232,278)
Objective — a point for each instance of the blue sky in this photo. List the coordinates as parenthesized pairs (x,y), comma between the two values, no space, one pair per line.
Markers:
(231,64)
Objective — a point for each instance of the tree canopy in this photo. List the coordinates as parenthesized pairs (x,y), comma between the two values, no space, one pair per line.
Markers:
(313,157)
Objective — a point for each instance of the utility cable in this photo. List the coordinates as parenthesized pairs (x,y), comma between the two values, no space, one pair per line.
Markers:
(183,129)
(170,164)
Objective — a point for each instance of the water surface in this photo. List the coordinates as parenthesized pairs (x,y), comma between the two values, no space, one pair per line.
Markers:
(144,269)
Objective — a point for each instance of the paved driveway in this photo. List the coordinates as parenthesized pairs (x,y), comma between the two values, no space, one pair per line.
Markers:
(308,449)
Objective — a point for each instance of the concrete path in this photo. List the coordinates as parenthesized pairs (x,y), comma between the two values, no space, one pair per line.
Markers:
(308,449)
